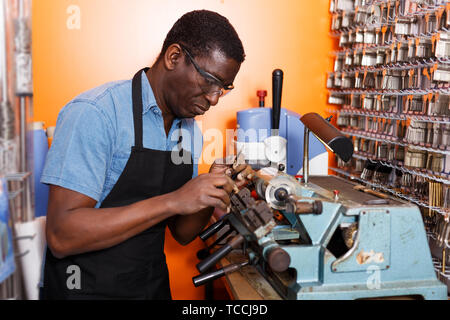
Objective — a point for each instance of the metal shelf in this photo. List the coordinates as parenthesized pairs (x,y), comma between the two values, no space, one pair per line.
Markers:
(402,144)
(423,10)
(391,191)
(420,63)
(381,92)
(434,176)
(19,177)
(351,51)
(361,47)
(394,116)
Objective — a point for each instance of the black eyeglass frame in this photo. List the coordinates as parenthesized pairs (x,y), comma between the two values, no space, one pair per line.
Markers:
(208,76)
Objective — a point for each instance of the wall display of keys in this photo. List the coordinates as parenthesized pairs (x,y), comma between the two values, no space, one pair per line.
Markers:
(390,89)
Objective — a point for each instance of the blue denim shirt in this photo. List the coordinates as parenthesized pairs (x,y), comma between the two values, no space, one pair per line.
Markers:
(94,135)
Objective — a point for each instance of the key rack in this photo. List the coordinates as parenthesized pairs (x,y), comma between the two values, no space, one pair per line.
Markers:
(391,86)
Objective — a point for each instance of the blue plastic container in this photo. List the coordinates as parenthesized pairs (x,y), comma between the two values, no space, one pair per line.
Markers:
(7,265)
(40,147)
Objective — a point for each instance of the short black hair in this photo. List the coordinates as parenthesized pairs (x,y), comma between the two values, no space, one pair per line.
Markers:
(202,31)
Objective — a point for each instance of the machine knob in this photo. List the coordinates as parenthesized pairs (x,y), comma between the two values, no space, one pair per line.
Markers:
(261,94)
(278,259)
(336,195)
(317,207)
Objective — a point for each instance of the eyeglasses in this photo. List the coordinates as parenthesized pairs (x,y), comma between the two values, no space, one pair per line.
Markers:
(210,83)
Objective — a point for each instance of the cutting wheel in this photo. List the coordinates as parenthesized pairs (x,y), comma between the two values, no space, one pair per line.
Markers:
(274,185)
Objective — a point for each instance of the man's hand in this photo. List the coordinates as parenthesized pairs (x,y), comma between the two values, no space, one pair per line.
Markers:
(193,203)
(209,190)
(223,166)
(232,165)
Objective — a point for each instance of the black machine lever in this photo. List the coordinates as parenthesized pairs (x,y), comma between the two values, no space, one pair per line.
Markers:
(213,229)
(204,278)
(277,88)
(203,253)
(210,261)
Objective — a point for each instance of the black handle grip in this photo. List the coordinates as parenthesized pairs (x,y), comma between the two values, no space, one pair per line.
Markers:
(204,253)
(204,278)
(277,88)
(210,261)
(213,229)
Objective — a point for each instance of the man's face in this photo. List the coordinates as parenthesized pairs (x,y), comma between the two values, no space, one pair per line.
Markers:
(190,93)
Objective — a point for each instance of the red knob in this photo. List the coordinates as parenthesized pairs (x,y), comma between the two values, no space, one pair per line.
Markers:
(261,94)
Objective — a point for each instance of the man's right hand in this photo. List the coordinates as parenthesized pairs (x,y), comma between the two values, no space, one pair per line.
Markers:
(209,190)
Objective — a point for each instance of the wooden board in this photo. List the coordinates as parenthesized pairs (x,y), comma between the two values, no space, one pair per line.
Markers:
(247,283)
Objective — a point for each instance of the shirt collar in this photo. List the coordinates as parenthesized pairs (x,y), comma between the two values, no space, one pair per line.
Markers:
(148,98)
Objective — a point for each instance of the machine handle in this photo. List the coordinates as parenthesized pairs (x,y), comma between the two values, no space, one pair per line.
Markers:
(210,261)
(277,88)
(296,205)
(213,229)
(203,253)
(204,278)
(315,207)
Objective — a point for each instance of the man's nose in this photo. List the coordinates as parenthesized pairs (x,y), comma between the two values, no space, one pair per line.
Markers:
(213,98)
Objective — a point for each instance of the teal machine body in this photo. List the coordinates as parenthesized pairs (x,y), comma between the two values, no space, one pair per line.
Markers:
(386,252)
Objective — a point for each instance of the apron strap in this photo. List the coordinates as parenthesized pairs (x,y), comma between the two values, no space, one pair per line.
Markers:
(138,108)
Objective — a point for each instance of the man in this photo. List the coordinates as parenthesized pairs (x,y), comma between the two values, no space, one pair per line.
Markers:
(113,183)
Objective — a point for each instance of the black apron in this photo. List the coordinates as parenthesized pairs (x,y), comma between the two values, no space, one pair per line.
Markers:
(135,268)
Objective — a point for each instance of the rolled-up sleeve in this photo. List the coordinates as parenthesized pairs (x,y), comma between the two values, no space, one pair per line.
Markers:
(81,150)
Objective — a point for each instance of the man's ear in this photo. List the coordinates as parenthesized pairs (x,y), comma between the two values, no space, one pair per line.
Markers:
(173,56)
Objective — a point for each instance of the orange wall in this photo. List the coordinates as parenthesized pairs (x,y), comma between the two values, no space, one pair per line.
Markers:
(117,37)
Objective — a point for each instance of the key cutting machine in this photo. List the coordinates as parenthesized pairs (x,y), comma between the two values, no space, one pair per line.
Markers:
(322,237)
